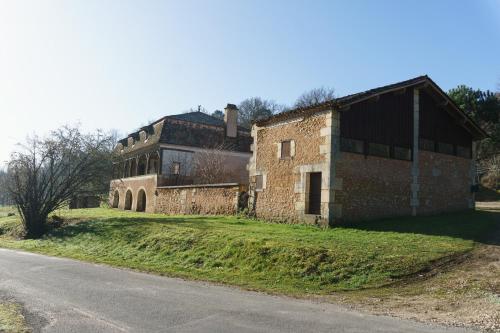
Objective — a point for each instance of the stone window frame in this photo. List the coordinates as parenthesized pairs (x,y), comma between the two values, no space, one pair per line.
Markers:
(264,181)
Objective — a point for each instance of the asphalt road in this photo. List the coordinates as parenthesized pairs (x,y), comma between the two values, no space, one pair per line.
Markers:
(63,295)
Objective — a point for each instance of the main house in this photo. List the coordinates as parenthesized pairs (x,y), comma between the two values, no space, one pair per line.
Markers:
(401,149)
(165,166)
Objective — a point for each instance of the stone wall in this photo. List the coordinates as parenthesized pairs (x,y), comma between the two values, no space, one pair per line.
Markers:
(375,187)
(444,183)
(372,187)
(134,185)
(217,199)
(284,194)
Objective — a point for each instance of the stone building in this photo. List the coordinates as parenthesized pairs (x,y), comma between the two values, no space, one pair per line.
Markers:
(159,169)
(401,149)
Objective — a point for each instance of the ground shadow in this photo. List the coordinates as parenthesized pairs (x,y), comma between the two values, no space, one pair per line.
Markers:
(106,226)
(487,194)
(479,225)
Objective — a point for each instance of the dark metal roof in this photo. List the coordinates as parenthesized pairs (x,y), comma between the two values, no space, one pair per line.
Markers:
(199,118)
(339,103)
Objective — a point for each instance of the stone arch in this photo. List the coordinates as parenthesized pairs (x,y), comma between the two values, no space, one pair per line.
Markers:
(154,163)
(133,167)
(128,200)
(116,199)
(141,201)
(142,164)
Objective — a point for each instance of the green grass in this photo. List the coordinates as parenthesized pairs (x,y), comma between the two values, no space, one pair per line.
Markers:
(11,318)
(292,259)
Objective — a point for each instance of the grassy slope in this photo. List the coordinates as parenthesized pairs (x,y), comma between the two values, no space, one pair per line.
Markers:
(283,258)
(11,318)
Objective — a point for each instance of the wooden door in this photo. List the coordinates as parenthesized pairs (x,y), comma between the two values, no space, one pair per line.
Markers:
(315,193)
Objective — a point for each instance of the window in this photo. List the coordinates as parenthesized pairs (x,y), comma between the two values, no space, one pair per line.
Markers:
(402,153)
(445,148)
(464,152)
(426,144)
(259,182)
(286,149)
(352,146)
(377,149)
(176,168)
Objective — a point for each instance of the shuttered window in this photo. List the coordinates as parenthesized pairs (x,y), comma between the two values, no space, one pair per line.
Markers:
(286,149)
(259,182)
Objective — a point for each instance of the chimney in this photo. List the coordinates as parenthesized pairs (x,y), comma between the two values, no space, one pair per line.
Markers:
(231,120)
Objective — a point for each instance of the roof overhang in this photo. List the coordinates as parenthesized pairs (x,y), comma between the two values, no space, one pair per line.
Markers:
(343,104)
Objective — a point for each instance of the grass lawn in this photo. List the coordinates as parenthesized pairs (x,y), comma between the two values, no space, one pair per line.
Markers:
(11,318)
(291,259)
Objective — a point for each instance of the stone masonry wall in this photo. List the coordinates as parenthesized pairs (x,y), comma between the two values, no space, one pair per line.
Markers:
(375,187)
(199,199)
(134,185)
(372,187)
(283,195)
(444,183)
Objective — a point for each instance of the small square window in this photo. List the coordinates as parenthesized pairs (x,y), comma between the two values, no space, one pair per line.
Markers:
(176,168)
(286,149)
(259,182)
(378,149)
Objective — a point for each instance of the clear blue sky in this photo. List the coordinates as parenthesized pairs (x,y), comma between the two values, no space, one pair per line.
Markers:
(119,64)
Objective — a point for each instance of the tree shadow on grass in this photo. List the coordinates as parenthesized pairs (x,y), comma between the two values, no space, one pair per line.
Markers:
(108,226)
(479,226)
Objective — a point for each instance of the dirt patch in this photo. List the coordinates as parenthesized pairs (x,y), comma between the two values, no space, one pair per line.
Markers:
(466,294)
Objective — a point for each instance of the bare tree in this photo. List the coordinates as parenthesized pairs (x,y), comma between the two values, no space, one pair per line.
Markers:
(46,173)
(490,170)
(177,167)
(218,114)
(5,199)
(315,96)
(256,108)
(211,167)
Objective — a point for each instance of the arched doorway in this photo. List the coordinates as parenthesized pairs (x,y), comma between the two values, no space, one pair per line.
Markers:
(128,200)
(141,201)
(116,199)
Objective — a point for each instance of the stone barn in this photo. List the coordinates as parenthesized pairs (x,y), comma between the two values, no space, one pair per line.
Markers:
(181,164)
(401,149)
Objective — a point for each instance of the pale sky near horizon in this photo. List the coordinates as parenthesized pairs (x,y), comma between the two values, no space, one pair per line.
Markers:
(118,64)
